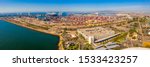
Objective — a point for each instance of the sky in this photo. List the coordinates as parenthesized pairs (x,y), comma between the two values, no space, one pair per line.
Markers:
(74,5)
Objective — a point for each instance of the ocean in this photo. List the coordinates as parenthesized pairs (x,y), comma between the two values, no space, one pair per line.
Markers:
(13,37)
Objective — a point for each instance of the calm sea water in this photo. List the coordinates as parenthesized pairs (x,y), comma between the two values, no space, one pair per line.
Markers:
(13,37)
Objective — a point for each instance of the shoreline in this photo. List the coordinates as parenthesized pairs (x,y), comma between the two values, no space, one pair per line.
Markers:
(39,30)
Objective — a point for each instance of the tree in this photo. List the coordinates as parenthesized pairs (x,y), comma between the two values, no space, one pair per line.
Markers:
(88,47)
(146,44)
(73,46)
(143,19)
(131,31)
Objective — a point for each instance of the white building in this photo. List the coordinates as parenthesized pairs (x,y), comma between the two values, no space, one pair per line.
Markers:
(149,33)
(95,33)
(91,39)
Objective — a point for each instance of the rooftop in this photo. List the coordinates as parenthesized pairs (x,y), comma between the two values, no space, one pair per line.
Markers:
(97,32)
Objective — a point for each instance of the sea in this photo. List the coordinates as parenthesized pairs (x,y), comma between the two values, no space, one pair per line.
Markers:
(14,37)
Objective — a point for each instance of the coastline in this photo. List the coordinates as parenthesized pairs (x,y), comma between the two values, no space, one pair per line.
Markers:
(40,30)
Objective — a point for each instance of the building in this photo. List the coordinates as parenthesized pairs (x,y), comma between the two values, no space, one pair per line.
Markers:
(97,34)
(149,32)
(125,15)
(111,45)
(91,39)
(146,28)
(107,46)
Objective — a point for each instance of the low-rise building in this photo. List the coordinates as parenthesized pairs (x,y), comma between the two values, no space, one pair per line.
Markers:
(107,46)
(95,34)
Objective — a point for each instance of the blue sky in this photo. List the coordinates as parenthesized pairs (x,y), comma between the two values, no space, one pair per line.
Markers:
(73,5)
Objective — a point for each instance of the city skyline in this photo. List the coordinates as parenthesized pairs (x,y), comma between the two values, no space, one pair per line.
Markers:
(74,5)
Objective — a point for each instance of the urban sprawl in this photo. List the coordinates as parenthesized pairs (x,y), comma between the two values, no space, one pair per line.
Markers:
(89,30)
